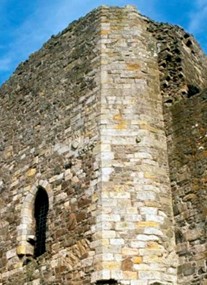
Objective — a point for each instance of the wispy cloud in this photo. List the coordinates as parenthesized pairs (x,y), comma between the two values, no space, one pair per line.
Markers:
(198,17)
(197,22)
(201,3)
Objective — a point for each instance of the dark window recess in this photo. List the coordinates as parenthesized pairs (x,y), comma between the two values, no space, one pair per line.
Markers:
(40,214)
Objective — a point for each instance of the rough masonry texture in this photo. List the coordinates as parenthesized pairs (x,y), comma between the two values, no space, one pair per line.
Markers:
(110,119)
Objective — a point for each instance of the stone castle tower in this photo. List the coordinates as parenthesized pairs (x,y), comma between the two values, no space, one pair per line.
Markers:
(103,155)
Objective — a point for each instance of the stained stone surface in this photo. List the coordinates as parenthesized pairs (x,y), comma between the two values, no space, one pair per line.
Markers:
(110,118)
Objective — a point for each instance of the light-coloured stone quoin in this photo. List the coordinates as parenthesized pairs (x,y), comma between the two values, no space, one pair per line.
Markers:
(109,121)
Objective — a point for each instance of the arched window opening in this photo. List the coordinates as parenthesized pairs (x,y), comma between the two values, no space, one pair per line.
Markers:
(40,213)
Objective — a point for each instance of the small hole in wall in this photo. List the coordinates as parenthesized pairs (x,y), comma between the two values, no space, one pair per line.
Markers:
(168,78)
(168,58)
(181,75)
(179,236)
(178,59)
(68,165)
(169,101)
(27,260)
(107,282)
(189,43)
(186,36)
(184,92)
(163,64)
(192,90)
(165,84)
(177,51)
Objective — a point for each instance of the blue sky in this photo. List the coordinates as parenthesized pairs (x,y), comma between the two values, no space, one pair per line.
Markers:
(25,25)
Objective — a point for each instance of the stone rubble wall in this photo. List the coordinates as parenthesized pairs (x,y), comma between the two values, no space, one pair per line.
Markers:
(182,63)
(188,162)
(183,83)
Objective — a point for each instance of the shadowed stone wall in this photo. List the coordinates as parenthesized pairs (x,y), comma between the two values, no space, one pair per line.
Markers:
(183,70)
(188,175)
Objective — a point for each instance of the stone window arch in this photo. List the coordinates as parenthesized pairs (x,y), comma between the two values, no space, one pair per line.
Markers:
(30,243)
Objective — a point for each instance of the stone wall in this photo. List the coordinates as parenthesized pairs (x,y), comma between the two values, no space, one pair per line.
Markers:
(182,63)
(109,117)
(188,161)
(135,222)
(183,69)
(49,131)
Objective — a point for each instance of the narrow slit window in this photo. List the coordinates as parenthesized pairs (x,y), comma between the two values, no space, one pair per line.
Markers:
(40,213)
